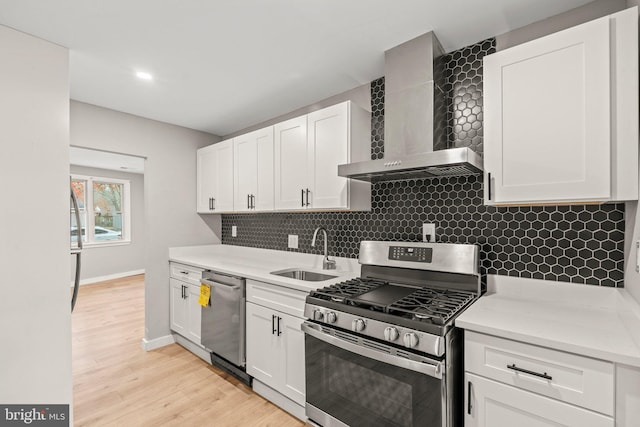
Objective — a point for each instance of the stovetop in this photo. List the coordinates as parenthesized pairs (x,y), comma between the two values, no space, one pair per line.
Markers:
(408,305)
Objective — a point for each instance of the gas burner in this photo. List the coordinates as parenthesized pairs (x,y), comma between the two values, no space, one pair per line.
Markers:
(432,304)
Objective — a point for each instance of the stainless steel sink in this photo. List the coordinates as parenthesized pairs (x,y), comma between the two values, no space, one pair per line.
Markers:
(299,274)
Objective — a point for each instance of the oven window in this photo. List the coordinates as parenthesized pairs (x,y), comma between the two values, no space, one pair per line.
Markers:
(360,391)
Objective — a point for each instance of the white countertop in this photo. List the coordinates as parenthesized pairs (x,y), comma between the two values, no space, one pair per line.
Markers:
(256,264)
(598,322)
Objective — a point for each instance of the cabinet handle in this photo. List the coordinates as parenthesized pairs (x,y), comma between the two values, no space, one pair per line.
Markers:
(279,331)
(307,197)
(526,371)
(489,184)
(210,203)
(273,324)
(253,201)
(469,406)
(214,203)
(302,197)
(182,291)
(248,205)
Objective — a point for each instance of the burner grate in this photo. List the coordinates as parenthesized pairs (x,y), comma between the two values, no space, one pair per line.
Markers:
(432,304)
(340,292)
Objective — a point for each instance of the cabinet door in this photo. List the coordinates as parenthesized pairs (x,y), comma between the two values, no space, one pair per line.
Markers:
(245,171)
(494,404)
(177,307)
(292,358)
(206,177)
(263,352)
(194,314)
(291,160)
(328,141)
(223,177)
(253,171)
(264,197)
(547,118)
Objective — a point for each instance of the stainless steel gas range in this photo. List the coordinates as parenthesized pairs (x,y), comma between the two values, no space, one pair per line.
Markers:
(382,349)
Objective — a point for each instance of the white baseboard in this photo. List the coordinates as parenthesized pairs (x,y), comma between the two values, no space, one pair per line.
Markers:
(280,400)
(148,345)
(109,277)
(194,348)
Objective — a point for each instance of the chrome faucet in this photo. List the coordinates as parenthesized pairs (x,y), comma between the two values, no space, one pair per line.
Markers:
(327,264)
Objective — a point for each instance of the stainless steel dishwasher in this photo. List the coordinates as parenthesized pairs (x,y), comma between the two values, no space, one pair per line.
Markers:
(223,323)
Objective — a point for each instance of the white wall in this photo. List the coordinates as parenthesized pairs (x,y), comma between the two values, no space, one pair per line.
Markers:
(35,302)
(169,191)
(360,96)
(103,262)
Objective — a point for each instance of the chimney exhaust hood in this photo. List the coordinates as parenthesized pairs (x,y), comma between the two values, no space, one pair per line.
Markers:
(415,140)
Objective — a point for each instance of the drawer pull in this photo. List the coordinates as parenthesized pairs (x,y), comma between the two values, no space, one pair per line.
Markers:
(184,272)
(526,371)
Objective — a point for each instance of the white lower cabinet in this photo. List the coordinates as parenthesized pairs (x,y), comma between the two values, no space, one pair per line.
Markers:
(494,404)
(275,341)
(275,350)
(510,383)
(185,312)
(178,309)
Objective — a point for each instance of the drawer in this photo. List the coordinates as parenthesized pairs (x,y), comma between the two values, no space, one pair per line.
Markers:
(574,379)
(276,297)
(186,273)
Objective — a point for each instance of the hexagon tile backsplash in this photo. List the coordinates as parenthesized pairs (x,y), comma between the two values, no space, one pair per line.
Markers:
(580,243)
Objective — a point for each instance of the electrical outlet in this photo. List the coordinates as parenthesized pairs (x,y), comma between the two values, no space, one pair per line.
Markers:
(234,231)
(428,232)
(293,241)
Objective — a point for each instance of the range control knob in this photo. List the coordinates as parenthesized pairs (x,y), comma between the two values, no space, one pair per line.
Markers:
(410,339)
(318,314)
(331,317)
(357,325)
(391,333)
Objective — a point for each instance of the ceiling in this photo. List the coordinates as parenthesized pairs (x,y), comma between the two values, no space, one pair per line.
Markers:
(221,66)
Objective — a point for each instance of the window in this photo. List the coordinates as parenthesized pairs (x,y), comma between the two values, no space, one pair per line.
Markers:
(103,205)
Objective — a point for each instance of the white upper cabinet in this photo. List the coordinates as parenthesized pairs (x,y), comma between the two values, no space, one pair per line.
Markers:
(253,171)
(291,159)
(561,116)
(308,151)
(215,178)
(292,165)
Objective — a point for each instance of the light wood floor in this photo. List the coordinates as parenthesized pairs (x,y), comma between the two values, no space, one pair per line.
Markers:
(117,383)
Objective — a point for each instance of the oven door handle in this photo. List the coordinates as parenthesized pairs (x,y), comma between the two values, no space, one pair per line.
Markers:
(434,369)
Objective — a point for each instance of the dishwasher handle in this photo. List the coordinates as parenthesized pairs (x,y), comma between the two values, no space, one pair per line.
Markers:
(209,277)
(221,286)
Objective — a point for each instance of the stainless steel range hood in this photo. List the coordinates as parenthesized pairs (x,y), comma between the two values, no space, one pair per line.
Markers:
(415,120)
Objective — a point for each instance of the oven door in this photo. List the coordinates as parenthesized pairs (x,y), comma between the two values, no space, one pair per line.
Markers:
(354,381)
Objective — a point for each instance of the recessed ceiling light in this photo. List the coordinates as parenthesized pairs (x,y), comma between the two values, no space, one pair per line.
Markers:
(144,76)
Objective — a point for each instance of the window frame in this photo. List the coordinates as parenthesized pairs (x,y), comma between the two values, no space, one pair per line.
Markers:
(90,211)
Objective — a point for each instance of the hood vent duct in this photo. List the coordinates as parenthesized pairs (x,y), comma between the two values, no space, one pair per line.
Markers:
(415,140)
